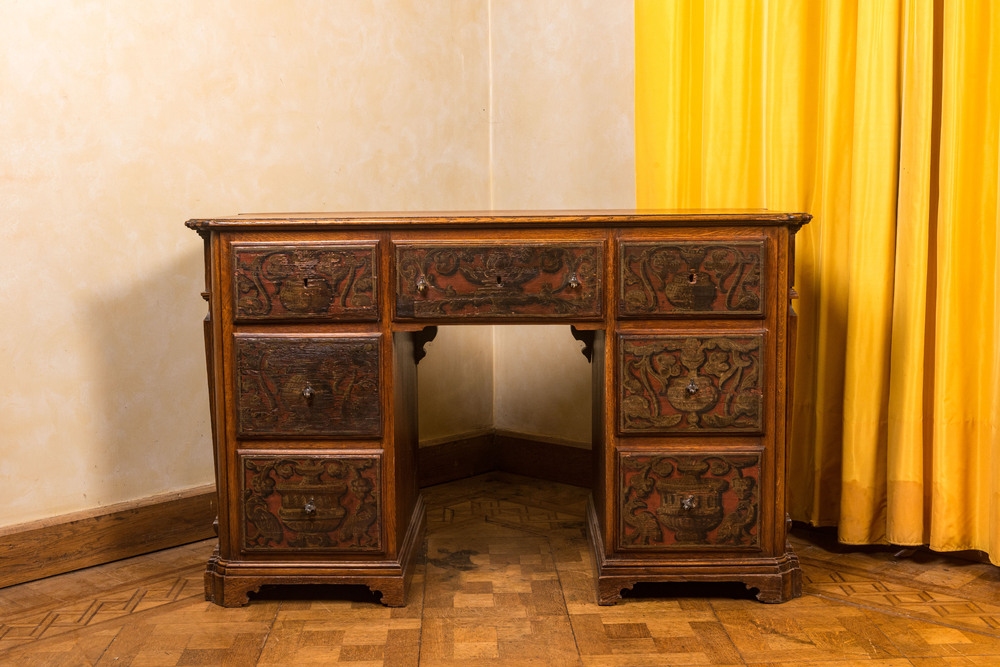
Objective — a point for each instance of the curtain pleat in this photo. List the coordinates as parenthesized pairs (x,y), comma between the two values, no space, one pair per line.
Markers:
(965,397)
(911,352)
(871,225)
(881,119)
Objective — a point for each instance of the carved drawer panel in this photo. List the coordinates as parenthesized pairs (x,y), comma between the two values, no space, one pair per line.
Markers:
(691,278)
(709,500)
(324,503)
(302,386)
(690,383)
(307,281)
(491,280)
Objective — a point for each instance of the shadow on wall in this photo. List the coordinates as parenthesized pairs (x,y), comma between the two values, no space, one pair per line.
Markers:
(151,432)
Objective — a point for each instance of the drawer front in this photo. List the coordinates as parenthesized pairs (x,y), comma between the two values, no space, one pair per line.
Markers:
(319,503)
(312,281)
(689,278)
(490,280)
(690,383)
(308,386)
(698,501)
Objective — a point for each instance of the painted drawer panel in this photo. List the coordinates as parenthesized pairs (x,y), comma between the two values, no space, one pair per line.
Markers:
(309,281)
(677,500)
(685,384)
(691,278)
(307,386)
(292,502)
(551,280)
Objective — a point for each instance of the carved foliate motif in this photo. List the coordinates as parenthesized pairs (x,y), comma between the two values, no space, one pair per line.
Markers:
(690,384)
(689,501)
(326,282)
(522,280)
(690,278)
(308,386)
(324,503)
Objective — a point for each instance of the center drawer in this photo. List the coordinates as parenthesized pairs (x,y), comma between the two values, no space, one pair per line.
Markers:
(528,279)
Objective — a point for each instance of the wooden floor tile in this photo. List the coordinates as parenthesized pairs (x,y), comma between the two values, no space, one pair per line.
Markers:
(507,579)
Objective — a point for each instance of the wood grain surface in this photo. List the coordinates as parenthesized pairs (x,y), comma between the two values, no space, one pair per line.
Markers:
(65,543)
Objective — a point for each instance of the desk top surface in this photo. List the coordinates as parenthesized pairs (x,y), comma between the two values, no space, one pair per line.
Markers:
(508,219)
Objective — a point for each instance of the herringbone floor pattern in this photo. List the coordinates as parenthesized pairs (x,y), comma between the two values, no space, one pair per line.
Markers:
(507,580)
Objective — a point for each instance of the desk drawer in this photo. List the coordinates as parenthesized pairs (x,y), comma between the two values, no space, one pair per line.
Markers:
(307,386)
(689,500)
(684,384)
(305,281)
(551,280)
(295,502)
(691,278)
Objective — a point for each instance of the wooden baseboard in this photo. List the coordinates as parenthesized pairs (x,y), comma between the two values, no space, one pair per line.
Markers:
(553,462)
(508,452)
(448,461)
(61,544)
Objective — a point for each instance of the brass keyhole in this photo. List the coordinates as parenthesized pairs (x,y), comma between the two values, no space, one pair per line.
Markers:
(500,281)
(692,278)
(305,282)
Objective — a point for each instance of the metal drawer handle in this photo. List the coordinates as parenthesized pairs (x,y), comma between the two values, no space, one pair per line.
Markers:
(310,507)
(308,392)
(422,285)
(574,282)
(689,503)
(691,387)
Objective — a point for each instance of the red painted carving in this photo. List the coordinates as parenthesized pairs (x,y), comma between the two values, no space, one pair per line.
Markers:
(523,280)
(308,386)
(325,503)
(688,278)
(696,501)
(690,383)
(305,282)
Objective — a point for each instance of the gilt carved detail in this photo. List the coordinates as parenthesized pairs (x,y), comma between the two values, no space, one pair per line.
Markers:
(689,501)
(298,282)
(690,278)
(324,503)
(510,280)
(687,384)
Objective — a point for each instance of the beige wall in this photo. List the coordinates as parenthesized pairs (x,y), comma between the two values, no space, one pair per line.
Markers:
(562,138)
(122,119)
(455,395)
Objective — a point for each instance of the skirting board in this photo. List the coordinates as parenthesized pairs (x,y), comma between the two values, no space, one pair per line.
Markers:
(61,544)
(516,453)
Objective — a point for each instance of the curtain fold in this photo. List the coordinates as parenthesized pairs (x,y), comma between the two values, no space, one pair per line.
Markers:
(880,118)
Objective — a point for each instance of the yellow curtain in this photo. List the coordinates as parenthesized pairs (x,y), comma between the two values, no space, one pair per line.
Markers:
(881,118)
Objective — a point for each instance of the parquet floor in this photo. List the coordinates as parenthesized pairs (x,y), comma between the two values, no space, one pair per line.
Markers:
(507,580)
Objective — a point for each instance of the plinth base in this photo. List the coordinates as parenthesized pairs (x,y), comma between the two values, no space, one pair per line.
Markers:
(229,583)
(777,579)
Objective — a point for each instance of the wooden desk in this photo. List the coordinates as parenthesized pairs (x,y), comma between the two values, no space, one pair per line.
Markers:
(316,324)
